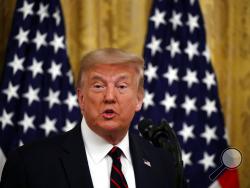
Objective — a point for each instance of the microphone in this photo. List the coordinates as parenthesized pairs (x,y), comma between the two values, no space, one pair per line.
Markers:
(161,136)
(145,128)
(164,136)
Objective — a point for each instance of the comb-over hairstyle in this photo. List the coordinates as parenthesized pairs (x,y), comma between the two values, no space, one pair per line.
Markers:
(110,56)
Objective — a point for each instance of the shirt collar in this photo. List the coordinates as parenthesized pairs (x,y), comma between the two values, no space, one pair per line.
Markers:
(97,147)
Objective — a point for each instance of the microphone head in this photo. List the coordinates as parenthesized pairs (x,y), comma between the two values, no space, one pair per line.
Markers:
(144,127)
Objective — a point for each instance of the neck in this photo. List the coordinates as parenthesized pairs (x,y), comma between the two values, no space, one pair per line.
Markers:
(114,139)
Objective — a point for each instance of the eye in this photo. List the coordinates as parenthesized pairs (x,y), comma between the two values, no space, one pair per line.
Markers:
(122,87)
(98,87)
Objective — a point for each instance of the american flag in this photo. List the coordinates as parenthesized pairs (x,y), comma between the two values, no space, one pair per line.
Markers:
(37,96)
(181,87)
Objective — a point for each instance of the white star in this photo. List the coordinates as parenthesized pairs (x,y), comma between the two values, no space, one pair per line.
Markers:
(43,12)
(171,75)
(158,18)
(16,64)
(70,76)
(3,159)
(148,100)
(189,105)
(206,54)
(207,161)
(173,47)
(186,132)
(136,128)
(27,122)
(209,134)
(190,78)
(150,73)
(192,22)
(36,67)
(5,119)
(186,158)
(55,70)
(71,101)
(32,95)
(209,80)
(49,126)
(20,143)
(209,107)
(53,98)
(57,42)
(171,124)
(57,17)
(225,136)
(22,36)
(192,2)
(176,20)
(11,92)
(191,50)
(168,102)
(40,40)
(154,45)
(69,125)
(26,9)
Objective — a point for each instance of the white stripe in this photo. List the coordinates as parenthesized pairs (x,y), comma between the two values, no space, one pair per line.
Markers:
(215,184)
(2,162)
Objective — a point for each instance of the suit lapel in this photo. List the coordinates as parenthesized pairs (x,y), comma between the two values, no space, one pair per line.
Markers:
(75,163)
(74,160)
(142,166)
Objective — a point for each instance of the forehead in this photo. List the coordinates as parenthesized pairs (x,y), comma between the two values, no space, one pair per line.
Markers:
(111,70)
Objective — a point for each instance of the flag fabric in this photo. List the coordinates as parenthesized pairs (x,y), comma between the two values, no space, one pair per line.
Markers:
(37,96)
(181,87)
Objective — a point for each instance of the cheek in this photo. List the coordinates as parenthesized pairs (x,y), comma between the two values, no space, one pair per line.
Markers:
(92,102)
(129,106)
(127,115)
(133,102)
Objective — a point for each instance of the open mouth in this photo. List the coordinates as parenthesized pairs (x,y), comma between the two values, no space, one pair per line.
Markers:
(108,114)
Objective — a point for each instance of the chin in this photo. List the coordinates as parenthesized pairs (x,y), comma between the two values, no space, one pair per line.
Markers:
(110,125)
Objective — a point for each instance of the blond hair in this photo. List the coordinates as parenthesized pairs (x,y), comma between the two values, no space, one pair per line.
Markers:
(111,56)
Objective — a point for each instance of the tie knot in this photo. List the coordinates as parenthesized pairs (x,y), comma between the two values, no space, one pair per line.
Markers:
(115,153)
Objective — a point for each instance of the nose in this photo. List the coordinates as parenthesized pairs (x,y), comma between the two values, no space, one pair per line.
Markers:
(109,96)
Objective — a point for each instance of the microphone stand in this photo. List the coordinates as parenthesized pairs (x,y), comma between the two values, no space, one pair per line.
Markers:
(163,136)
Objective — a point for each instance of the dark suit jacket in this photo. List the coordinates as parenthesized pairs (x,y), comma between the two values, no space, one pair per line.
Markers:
(61,162)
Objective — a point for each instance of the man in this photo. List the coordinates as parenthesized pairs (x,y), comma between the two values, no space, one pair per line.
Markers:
(100,153)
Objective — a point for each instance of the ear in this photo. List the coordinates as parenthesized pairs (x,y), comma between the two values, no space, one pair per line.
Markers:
(140,96)
(80,98)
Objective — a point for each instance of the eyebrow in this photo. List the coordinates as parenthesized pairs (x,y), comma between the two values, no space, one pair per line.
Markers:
(122,77)
(119,77)
(96,77)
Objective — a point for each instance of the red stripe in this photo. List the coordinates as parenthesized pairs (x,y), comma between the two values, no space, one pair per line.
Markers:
(122,176)
(117,170)
(113,149)
(229,178)
(125,184)
(115,184)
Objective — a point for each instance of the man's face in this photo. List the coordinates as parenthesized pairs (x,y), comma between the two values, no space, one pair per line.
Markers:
(109,97)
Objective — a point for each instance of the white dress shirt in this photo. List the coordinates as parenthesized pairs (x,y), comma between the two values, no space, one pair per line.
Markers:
(100,162)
